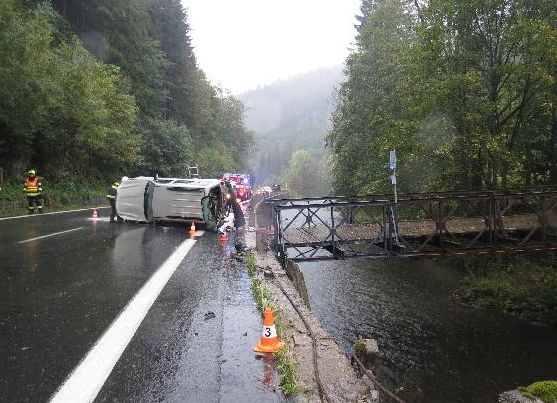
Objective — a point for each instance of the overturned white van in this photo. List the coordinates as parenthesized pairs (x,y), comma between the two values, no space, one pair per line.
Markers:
(147,199)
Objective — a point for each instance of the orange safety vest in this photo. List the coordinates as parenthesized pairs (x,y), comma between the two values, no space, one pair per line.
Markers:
(32,186)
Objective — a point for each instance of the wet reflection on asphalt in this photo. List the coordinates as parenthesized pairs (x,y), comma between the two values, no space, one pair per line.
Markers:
(60,293)
(196,344)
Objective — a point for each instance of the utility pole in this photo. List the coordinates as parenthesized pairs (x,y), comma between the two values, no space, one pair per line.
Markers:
(392,167)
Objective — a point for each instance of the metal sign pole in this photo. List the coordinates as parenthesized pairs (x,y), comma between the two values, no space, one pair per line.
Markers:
(392,166)
(394,186)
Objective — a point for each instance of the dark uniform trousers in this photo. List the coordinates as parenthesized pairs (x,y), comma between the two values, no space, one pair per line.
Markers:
(35,201)
(111,196)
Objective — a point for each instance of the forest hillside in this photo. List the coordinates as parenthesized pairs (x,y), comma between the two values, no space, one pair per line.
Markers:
(92,90)
(290,119)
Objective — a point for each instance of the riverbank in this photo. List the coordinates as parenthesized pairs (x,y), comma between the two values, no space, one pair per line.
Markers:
(524,286)
(58,196)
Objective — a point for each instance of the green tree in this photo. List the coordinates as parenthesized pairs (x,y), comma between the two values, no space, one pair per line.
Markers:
(465,91)
(120,32)
(123,94)
(166,148)
(62,110)
(27,64)
(181,75)
(306,175)
(375,111)
(487,57)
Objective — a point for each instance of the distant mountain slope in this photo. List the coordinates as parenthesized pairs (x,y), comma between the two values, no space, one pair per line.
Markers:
(289,115)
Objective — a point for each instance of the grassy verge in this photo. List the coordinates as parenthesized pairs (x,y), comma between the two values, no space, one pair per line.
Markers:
(286,364)
(524,286)
(57,196)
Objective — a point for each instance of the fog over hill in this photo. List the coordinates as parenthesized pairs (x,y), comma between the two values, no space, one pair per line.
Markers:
(290,115)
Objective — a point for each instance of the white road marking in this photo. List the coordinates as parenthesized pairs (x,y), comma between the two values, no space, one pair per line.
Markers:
(87,379)
(103,219)
(55,212)
(49,235)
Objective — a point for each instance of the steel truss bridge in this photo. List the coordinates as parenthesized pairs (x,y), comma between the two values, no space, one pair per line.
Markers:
(419,224)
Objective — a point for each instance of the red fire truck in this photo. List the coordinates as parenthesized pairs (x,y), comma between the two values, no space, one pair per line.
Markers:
(243,185)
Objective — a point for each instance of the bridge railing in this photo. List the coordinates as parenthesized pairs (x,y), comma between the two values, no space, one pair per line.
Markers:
(418,225)
(312,228)
(477,221)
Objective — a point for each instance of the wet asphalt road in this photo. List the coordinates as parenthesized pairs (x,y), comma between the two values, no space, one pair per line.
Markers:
(60,293)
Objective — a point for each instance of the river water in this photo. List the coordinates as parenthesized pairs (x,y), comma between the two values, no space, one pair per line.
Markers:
(432,348)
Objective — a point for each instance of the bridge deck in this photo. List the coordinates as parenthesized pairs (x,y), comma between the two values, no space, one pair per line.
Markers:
(316,234)
(313,234)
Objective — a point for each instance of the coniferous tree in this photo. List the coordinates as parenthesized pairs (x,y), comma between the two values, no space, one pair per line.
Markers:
(110,85)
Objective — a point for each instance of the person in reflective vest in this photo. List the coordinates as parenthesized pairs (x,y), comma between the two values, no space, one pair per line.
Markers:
(111,196)
(33,189)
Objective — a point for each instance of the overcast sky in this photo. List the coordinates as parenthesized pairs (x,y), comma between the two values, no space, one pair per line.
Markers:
(243,44)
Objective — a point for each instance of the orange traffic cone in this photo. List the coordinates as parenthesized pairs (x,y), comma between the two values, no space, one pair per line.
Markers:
(95,213)
(192,228)
(269,342)
(222,238)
